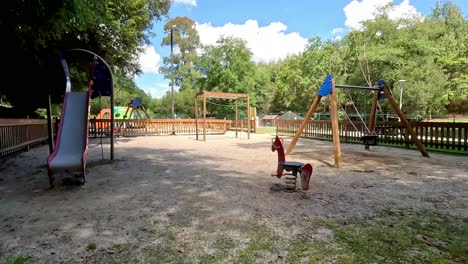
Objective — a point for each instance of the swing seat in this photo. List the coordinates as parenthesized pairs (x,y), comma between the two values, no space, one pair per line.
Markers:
(370,140)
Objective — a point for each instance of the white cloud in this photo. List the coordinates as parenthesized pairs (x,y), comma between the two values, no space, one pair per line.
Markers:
(149,60)
(337,38)
(268,43)
(361,10)
(152,91)
(160,90)
(185,2)
(336,31)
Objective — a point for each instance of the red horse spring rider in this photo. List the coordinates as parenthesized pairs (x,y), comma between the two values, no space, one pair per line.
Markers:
(294,167)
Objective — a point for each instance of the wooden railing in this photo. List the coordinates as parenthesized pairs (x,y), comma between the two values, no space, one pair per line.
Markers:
(154,127)
(241,124)
(434,135)
(20,134)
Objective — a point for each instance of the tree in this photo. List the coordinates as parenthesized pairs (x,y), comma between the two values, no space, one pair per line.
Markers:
(453,35)
(38,29)
(227,67)
(125,90)
(186,40)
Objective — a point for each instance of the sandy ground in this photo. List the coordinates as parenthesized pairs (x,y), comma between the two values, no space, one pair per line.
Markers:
(213,186)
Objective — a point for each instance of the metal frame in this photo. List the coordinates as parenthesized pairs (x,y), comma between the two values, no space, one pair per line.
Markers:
(374,88)
(49,117)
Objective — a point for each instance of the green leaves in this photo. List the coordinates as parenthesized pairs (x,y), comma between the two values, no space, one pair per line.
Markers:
(185,42)
(37,30)
(227,67)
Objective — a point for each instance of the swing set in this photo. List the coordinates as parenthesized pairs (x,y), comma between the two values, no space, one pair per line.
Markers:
(369,138)
(221,95)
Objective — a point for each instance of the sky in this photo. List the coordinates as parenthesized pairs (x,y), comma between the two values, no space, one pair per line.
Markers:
(273,29)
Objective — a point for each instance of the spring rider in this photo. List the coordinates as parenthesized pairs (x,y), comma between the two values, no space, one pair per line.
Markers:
(294,167)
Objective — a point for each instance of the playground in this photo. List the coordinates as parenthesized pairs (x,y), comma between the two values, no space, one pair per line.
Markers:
(173,199)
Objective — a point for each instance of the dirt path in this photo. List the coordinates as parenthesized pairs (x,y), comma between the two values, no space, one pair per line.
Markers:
(174,188)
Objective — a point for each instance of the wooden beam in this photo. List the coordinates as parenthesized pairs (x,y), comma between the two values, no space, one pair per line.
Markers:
(204,117)
(248,117)
(237,123)
(309,114)
(196,117)
(233,96)
(407,124)
(335,127)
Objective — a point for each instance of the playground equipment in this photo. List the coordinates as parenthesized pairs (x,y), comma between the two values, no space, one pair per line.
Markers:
(105,113)
(229,96)
(134,106)
(380,92)
(69,154)
(294,167)
(369,137)
(119,112)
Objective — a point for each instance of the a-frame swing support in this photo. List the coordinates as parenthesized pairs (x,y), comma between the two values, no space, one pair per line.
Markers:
(221,95)
(329,88)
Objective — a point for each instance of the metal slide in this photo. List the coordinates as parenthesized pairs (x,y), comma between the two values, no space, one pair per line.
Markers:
(71,144)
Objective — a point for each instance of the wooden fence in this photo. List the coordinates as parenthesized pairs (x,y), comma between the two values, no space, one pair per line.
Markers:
(20,134)
(155,127)
(434,135)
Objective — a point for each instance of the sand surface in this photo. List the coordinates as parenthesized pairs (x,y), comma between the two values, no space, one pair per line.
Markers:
(215,186)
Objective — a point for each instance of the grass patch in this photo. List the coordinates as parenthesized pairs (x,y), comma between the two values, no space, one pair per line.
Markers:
(417,238)
(16,260)
(261,242)
(266,130)
(91,246)
(392,237)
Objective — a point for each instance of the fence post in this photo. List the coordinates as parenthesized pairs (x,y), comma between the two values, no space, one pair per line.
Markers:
(49,124)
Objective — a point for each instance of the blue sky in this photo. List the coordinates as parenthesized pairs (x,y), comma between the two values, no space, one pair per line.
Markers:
(273,29)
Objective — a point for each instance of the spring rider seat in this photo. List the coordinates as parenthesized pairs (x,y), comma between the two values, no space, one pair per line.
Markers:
(294,167)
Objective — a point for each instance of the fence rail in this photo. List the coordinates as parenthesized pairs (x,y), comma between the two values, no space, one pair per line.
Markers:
(20,134)
(154,127)
(434,135)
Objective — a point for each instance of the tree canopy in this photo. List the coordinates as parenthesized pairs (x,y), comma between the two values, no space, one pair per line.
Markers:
(430,54)
(37,30)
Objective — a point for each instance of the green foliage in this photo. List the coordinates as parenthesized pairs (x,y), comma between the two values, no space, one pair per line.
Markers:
(91,246)
(16,260)
(458,106)
(185,39)
(227,67)
(125,89)
(430,54)
(38,30)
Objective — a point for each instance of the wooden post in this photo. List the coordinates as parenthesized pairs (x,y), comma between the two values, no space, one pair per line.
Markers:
(204,117)
(196,117)
(409,128)
(112,119)
(241,127)
(311,111)
(237,123)
(335,128)
(50,130)
(248,117)
(224,127)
